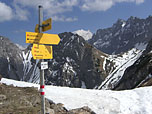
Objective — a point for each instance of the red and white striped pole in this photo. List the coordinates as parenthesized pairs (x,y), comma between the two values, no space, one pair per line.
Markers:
(42,92)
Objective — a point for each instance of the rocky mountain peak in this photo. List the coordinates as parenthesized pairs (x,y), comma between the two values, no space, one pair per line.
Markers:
(76,63)
(7,47)
(123,35)
(85,34)
(119,23)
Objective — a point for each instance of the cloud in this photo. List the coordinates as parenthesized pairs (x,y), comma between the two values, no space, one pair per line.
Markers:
(21,9)
(96,5)
(69,19)
(64,19)
(52,8)
(6,12)
(103,5)
(136,1)
(139,1)
(20,13)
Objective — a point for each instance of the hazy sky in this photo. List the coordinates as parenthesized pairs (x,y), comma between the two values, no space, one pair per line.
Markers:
(19,16)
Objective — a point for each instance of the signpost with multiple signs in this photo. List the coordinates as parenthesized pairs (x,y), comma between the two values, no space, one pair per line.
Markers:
(40,50)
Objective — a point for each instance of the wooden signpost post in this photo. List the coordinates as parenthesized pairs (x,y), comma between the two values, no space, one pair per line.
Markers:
(41,51)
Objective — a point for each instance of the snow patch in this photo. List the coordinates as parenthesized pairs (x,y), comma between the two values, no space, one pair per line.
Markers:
(9,67)
(104,63)
(68,68)
(85,34)
(21,47)
(83,85)
(123,24)
(101,43)
(117,33)
(28,66)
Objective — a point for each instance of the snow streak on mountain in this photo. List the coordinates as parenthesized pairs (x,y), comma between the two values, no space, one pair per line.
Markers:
(122,62)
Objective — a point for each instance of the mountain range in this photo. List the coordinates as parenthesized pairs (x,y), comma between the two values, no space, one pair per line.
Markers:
(116,58)
(123,35)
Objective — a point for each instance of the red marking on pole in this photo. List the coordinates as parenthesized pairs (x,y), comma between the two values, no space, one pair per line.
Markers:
(42,93)
(42,86)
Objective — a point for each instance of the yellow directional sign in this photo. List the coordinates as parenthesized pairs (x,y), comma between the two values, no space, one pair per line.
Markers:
(42,51)
(46,25)
(42,38)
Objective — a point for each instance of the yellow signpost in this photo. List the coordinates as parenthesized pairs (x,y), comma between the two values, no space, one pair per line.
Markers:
(42,38)
(42,52)
(46,25)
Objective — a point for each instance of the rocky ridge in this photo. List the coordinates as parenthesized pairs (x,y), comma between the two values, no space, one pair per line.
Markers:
(123,35)
(10,59)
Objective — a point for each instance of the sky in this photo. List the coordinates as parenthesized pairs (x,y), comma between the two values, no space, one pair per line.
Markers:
(20,16)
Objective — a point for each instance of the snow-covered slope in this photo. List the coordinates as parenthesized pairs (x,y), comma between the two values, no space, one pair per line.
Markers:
(85,34)
(122,62)
(21,47)
(137,101)
(30,69)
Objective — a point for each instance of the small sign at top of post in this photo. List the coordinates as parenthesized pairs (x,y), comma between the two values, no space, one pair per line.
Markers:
(46,25)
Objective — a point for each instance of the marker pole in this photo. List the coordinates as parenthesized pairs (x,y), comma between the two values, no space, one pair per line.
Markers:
(41,70)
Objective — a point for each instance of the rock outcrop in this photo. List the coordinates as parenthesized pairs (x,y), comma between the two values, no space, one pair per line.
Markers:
(17,100)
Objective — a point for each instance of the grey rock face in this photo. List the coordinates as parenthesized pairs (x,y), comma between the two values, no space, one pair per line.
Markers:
(83,110)
(76,63)
(16,63)
(10,60)
(27,100)
(123,35)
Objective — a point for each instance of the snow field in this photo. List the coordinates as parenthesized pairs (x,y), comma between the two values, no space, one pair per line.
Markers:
(136,101)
